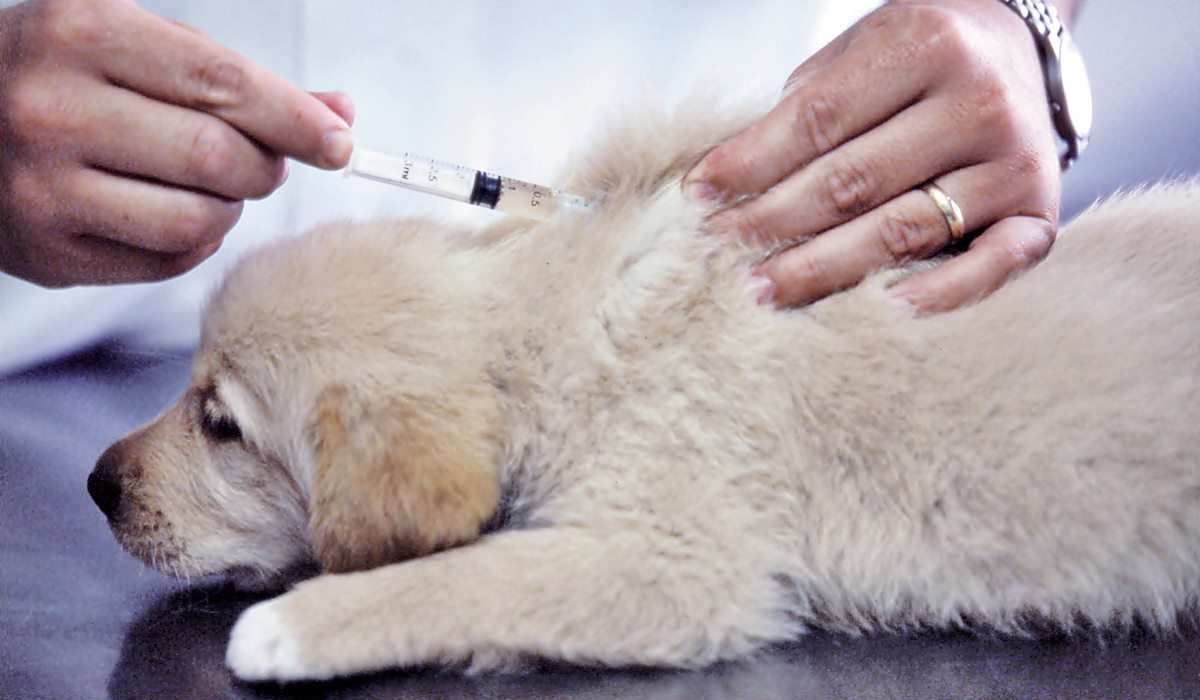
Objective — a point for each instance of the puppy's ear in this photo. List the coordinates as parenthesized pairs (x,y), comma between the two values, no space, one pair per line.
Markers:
(399,478)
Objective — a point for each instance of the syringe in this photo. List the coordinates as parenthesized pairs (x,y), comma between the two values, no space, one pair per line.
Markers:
(464,184)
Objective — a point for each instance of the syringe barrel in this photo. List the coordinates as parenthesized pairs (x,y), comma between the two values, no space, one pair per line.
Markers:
(464,184)
(534,201)
(414,172)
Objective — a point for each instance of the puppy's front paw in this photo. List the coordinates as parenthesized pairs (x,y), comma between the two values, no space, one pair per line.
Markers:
(263,647)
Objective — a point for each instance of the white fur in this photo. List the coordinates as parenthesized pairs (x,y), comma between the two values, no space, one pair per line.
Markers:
(261,648)
(687,476)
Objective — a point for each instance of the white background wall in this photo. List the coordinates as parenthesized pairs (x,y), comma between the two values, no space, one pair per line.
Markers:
(1144,61)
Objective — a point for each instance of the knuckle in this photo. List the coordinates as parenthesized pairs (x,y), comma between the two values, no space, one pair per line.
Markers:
(273,174)
(34,201)
(747,225)
(850,189)
(903,237)
(813,271)
(1037,245)
(218,82)
(994,107)
(260,188)
(726,164)
(1051,212)
(801,277)
(1011,260)
(886,20)
(1030,171)
(28,190)
(989,91)
(1020,251)
(76,24)
(1035,182)
(816,122)
(35,110)
(25,109)
(943,34)
(1016,257)
(210,157)
(196,224)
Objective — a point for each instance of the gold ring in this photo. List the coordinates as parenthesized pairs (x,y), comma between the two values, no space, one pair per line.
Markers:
(949,207)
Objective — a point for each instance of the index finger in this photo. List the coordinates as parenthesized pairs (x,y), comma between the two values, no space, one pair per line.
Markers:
(167,61)
(833,98)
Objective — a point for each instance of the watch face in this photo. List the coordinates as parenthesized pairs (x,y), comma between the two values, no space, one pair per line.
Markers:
(1076,91)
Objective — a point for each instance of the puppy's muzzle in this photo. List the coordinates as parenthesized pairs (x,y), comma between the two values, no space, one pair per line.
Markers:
(104,485)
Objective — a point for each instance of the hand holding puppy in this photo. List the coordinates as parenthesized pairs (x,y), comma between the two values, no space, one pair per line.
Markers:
(945,91)
(128,142)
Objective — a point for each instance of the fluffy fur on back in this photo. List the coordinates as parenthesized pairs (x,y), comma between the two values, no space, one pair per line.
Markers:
(584,440)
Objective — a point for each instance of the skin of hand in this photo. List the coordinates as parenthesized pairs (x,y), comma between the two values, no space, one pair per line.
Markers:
(949,91)
(128,142)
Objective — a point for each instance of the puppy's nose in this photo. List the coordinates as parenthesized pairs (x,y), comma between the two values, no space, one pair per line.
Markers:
(103,485)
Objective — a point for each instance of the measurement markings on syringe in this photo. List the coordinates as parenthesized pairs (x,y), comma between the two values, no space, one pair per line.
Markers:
(464,184)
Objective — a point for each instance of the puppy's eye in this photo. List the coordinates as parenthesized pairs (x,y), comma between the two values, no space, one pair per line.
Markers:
(222,428)
(218,426)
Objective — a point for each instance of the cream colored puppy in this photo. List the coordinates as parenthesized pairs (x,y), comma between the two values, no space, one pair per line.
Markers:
(584,440)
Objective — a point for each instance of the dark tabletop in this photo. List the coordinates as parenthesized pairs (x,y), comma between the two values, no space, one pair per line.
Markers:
(80,619)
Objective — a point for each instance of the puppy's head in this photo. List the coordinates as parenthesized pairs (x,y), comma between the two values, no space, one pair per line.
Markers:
(191,494)
(338,411)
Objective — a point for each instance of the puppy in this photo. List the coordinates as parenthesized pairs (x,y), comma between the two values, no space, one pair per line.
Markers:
(584,440)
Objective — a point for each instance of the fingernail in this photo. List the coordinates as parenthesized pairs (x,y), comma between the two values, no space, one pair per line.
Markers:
(701,192)
(763,288)
(337,147)
(906,292)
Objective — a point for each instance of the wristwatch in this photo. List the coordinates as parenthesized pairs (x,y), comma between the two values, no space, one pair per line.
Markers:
(1067,84)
